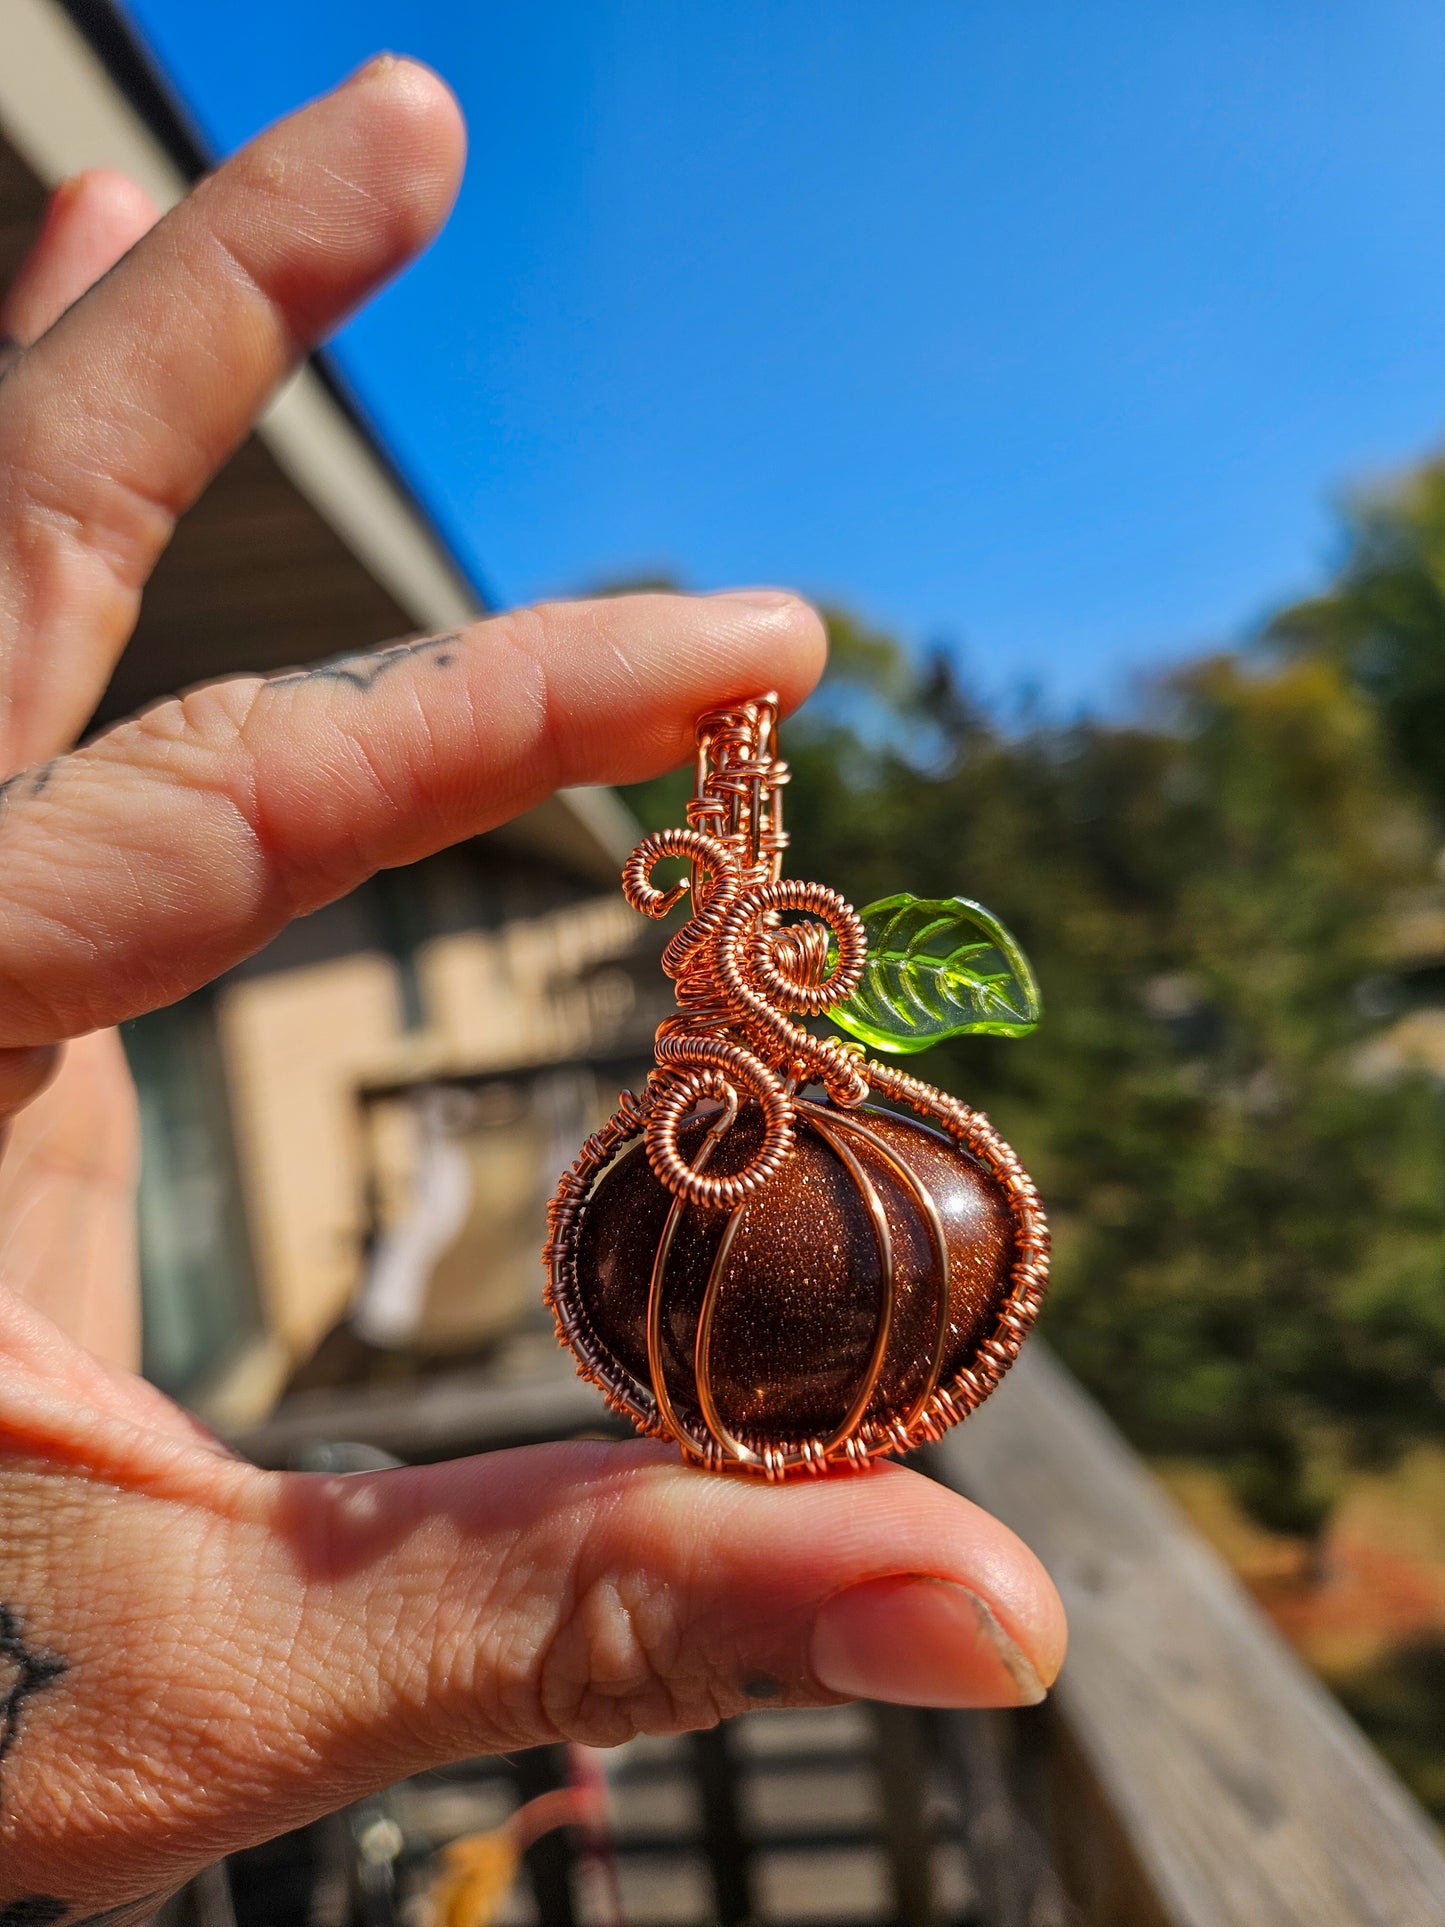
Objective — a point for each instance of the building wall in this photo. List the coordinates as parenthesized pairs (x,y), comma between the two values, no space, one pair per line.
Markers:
(324,1084)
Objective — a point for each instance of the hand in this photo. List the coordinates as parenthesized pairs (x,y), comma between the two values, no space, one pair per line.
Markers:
(195,1654)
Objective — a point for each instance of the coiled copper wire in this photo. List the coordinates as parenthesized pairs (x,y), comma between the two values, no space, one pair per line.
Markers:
(739,970)
(742,976)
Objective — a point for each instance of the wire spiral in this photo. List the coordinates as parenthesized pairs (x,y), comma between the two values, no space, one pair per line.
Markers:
(741,973)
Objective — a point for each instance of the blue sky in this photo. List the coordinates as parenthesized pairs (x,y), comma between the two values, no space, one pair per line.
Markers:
(1049,330)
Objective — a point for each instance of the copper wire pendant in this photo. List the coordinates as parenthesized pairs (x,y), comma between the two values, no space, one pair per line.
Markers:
(750,1258)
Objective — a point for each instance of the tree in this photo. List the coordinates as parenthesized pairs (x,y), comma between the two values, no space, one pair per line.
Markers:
(1250,1237)
(1383,618)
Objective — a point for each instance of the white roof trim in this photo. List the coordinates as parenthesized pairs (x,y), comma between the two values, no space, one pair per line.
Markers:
(59,109)
(328,459)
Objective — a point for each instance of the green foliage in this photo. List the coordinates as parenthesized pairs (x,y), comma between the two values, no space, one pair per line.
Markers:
(1383,620)
(938,968)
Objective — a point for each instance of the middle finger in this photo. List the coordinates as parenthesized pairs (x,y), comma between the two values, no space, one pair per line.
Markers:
(115,420)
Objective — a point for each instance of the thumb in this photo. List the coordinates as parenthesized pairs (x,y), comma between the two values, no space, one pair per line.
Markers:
(243,1651)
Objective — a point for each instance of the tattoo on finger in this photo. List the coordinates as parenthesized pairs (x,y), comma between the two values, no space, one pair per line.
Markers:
(28,782)
(364,670)
(25,1670)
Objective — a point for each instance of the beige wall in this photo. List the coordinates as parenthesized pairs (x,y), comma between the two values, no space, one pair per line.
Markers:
(300,1044)
(296,1045)
(513,997)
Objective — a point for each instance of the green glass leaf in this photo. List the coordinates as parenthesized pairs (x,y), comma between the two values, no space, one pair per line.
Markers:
(938,967)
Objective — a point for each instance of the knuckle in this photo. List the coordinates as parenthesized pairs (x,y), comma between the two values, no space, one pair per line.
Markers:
(48,593)
(528,635)
(85,514)
(197,738)
(621,1663)
(197,742)
(534,638)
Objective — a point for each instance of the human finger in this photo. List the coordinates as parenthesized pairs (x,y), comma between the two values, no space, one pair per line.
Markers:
(67,1201)
(89,223)
(39,1361)
(247,1651)
(142,865)
(113,422)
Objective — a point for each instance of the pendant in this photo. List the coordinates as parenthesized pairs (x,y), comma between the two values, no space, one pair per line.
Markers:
(754,1258)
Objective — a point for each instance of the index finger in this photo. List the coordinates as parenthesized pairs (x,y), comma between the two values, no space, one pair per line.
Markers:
(139,867)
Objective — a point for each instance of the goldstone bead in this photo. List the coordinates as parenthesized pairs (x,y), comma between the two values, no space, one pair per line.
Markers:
(798,1308)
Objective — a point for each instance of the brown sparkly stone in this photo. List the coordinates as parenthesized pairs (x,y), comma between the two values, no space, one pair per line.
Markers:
(798,1309)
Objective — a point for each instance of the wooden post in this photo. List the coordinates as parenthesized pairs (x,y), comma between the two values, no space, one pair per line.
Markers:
(729,1859)
(212,1893)
(903,1798)
(549,1861)
(1007,1858)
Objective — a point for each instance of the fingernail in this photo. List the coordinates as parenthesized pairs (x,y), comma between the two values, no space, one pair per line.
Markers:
(370,70)
(920,1641)
(756,598)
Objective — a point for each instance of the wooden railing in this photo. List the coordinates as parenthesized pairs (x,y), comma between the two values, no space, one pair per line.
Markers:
(1204,1776)
(1187,1772)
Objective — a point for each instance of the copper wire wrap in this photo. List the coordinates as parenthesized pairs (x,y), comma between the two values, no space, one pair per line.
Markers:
(743,977)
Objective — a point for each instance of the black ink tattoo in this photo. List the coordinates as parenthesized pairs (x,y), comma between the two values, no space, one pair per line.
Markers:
(364,671)
(24,1670)
(757,1686)
(30,782)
